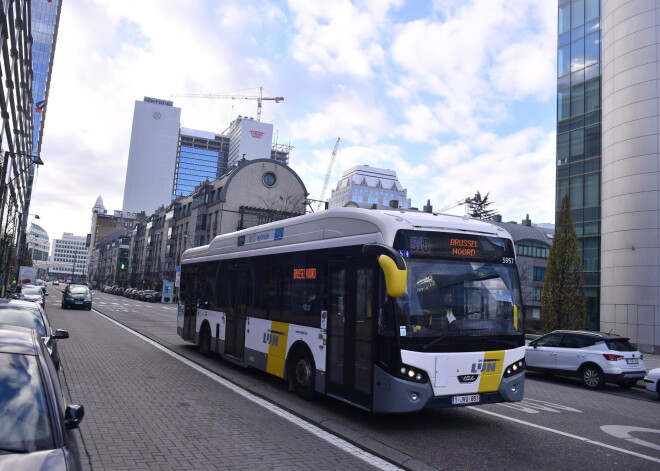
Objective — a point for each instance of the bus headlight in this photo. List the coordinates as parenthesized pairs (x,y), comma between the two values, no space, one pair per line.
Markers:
(413,374)
(514,368)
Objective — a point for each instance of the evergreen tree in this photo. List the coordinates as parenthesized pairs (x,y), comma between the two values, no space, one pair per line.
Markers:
(562,301)
(479,207)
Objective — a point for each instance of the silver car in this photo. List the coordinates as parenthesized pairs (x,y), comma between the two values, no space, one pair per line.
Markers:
(32,316)
(593,357)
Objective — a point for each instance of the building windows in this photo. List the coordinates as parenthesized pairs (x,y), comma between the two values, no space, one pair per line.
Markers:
(539,274)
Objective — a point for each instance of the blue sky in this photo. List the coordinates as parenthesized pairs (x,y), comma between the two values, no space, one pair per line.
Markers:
(454,95)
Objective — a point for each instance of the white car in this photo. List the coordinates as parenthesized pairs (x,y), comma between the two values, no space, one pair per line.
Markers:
(593,357)
(652,381)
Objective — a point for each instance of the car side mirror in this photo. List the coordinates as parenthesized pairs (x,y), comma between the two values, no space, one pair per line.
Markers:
(61,334)
(73,415)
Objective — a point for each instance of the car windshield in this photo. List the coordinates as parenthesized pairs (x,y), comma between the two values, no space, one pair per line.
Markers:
(458,299)
(31,290)
(24,420)
(30,318)
(79,289)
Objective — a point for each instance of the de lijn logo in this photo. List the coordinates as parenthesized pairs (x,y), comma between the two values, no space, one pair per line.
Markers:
(489,365)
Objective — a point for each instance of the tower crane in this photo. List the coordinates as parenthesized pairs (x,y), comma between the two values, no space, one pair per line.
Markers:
(467,201)
(259,98)
(327,174)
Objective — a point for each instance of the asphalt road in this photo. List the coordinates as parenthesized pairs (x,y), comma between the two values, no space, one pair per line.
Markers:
(559,425)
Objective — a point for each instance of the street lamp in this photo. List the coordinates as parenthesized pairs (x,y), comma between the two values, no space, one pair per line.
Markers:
(4,185)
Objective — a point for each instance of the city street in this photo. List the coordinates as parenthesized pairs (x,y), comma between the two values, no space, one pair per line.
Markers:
(152,402)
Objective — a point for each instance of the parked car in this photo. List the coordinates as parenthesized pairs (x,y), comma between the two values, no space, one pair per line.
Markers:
(34,420)
(77,296)
(56,283)
(652,381)
(147,295)
(32,293)
(155,298)
(593,357)
(32,316)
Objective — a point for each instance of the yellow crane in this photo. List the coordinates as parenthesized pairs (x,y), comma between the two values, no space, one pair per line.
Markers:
(260,98)
(327,174)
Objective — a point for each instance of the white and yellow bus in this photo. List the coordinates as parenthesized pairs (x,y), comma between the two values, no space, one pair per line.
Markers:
(391,311)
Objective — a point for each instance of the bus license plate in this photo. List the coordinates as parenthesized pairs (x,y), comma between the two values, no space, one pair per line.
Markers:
(468,399)
(633,361)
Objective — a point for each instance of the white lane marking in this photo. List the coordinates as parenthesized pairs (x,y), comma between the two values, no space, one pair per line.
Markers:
(569,435)
(533,406)
(340,443)
(623,431)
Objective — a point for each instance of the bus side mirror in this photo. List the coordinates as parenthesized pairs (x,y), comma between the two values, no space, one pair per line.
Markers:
(395,279)
(393,266)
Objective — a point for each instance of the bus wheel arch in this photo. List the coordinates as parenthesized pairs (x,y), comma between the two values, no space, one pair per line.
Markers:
(301,371)
(205,339)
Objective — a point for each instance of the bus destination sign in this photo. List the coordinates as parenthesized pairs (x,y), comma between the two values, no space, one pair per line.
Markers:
(417,244)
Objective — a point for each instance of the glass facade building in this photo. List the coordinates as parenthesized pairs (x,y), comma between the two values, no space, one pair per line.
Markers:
(579,134)
(201,156)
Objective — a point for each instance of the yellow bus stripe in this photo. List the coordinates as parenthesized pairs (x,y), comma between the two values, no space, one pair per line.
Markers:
(491,372)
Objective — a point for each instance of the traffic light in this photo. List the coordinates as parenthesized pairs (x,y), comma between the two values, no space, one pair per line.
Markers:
(122,266)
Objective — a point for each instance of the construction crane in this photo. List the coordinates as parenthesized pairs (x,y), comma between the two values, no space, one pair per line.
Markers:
(466,201)
(327,174)
(259,98)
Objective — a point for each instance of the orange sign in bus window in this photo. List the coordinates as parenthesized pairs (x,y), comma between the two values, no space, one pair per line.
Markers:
(304,273)
(465,247)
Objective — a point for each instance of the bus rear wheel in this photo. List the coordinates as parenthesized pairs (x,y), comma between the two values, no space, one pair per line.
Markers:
(303,372)
(205,341)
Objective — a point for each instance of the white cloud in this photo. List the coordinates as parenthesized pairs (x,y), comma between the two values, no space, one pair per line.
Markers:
(474,58)
(340,36)
(517,170)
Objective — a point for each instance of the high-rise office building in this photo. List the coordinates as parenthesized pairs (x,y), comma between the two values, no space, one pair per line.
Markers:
(365,184)
(201,156)
(45,23)
(607,158)
(249,139)
(151,156)
(166,161)
(579,134)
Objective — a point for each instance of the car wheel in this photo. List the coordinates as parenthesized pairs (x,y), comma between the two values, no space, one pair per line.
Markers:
(592,377)
(302,373)
(628,383)
(205,341)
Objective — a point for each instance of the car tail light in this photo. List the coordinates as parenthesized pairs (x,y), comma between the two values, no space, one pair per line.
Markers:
(612,357)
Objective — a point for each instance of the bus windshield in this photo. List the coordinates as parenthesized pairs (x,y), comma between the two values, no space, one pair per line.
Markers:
(458,299)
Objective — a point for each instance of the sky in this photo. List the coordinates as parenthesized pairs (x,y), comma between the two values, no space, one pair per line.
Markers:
(456,96)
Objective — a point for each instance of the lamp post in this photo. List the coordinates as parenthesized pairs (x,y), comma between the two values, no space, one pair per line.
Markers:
(4,185)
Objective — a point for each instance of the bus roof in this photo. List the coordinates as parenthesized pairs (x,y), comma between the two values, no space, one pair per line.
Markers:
(335,228)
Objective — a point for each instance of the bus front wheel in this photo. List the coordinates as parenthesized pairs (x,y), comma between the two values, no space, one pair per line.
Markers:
(303,372)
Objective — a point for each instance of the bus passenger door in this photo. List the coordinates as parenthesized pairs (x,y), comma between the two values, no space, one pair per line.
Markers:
(189,299)
(238,292)
(350,332)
